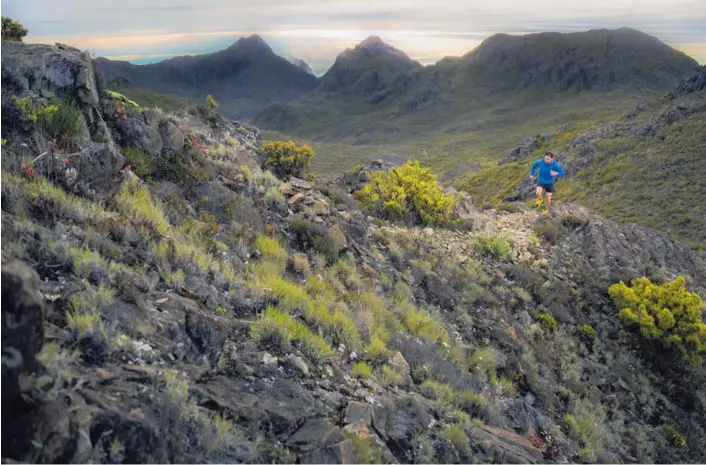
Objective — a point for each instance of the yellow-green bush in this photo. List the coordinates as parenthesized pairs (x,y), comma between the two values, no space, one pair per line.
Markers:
(271,249)
(456,436)
(547,321)
(408,193)
(277,328)
(588,332)
(667,313)
(361,370)
(287,159)
(674,437)
(424,326)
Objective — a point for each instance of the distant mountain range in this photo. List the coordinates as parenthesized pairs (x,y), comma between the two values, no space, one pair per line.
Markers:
(381,83)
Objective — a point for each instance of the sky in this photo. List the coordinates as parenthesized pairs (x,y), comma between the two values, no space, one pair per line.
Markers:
(143,31)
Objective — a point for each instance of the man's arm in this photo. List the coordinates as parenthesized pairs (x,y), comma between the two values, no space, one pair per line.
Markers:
(534,168)
(559,169)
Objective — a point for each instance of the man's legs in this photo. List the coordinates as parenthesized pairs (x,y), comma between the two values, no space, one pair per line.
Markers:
(549,200)
(539,195)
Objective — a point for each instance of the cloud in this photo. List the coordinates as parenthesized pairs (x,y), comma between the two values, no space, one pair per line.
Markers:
(318,30)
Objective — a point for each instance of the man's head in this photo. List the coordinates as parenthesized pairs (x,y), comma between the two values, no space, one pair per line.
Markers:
(548,157)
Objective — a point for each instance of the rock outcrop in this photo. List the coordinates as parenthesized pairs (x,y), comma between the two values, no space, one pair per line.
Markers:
(44,71)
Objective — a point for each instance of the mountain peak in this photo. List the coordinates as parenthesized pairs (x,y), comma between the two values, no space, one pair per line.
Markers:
(372,40)
(252,42)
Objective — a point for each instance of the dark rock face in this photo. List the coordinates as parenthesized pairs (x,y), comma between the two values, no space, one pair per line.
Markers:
(695,83)
(141,442)
(137,134)
(26,417)
(172,137)
(206,332)
(34,70)
(395,419)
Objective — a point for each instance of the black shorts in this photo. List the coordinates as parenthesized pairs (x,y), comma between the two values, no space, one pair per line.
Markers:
(549,188)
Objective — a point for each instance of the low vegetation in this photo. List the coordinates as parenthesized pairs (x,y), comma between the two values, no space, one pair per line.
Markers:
(667,313)
(409,193)
(286,159)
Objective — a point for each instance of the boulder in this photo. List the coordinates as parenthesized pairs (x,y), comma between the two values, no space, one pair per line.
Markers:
(225,204)
(318,441)
(172,137)
(244,157)
(395,419)
(439,292)
(135,133)
(207,332)
(151,117)
(27,416)
(22,326)
(358,412)
(37,70)
(139,440)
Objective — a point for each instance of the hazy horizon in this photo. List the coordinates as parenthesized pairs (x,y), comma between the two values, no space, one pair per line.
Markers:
(317,32)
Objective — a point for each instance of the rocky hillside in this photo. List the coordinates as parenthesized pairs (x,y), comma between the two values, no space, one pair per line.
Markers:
(646,167)
(167,300)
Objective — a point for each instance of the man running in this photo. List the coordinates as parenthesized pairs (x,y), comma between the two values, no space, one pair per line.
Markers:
(545,171)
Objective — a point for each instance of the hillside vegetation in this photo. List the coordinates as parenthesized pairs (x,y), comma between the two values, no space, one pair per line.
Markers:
(645,167)
(166,299)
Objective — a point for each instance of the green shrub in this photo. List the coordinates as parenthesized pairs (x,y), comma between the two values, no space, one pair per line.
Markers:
(493,245)
(474,404)
(550,231)
(62,120)
(275,200)
(363,447)
(277,329)
(12,30)
(585,424)
(120,98)
(312,237)
(424,326)
(362,370)
(674,437)
(456,436)
(439,392)
(140,160)
(588,332)
(409,193)
(287,159)
(270,249)
(389,377)
(484,360)
(175,167)
(547,321)
(376,351)
(667,313)
(212,104)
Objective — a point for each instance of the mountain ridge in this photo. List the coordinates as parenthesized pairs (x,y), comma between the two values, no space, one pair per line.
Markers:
(381,75)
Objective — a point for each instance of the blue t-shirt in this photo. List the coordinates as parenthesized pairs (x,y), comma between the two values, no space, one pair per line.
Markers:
(544,170)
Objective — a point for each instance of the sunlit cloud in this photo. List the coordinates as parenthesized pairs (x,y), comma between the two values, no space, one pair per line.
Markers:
(317,31)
